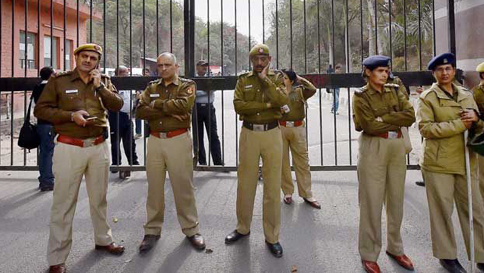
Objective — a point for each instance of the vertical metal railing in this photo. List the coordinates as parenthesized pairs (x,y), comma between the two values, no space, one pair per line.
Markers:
(320,32)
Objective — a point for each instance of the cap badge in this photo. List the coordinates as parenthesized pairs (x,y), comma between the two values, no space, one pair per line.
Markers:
(445,61)
(261,50)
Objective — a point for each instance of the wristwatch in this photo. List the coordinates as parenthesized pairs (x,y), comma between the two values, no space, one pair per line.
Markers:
(101,85)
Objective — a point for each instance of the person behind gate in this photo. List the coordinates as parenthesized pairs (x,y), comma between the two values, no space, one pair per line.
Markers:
(167,104)
(379,111)
(76,102)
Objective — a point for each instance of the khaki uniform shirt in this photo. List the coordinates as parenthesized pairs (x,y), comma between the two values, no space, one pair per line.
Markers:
(478,93)
(369,104)
(252,95)
(175,99)
(297,100)
(438,118)
(66,94)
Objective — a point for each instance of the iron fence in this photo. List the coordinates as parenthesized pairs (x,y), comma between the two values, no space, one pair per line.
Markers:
(305,35)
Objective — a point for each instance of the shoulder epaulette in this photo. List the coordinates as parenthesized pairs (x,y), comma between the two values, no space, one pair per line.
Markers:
(184,80)
(243,74)
(391,85)
(62,73)
(361,89)
(426,93)
(153,82)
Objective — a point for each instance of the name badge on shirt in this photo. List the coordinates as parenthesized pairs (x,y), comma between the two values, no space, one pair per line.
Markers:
(248,86)
(154,95)
(71,91)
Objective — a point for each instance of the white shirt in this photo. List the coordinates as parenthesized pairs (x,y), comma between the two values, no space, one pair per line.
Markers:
(125,95)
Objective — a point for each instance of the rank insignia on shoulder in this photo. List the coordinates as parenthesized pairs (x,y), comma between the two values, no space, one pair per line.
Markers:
(61,73)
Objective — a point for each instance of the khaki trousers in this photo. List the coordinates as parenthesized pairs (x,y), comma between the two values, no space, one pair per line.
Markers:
(175,156)
(481,174)
(253,146)
(381,178)
(70,164)
(442,190)
(294,138)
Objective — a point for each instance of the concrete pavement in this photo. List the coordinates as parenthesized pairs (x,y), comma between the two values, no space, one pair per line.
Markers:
(314,240)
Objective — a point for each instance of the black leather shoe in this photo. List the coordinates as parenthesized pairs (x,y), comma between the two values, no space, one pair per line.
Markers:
(420,183)
(148,242)
(47,188)
(452,266)
(276,249)
(197,241)
(234,236)
(480,266)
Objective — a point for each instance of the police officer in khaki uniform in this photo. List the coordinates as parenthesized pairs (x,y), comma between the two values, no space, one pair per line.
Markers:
(167,104)
(478,92)
(444,113)
(76,103)
(258,98)
(293,131)
(379,112)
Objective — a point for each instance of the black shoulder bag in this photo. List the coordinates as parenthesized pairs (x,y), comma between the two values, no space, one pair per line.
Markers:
(28,137)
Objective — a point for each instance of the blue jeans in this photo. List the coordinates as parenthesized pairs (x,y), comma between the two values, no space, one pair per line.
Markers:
(46,134)
(138,126)
(335,100)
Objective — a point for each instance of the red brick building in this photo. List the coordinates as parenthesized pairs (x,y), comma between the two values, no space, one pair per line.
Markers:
(38,44)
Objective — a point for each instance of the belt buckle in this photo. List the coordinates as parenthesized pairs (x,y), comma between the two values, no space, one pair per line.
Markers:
(392,135)
(289,123)
(258,127)
(88,142)
(203,104)
(163,135)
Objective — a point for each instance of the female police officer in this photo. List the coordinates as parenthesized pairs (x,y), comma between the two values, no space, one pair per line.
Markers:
(379,111)
(444,112)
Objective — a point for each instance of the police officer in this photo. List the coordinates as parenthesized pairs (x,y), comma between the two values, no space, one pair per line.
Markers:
(478,92)
(293,131)
(166,104)
(380,111)
(444,113)
(76,103)
(258,97)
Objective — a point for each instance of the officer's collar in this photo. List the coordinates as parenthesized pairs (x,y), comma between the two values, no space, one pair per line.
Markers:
(176,81)
(372,91)
(75,75)
(252,73)
(461,95)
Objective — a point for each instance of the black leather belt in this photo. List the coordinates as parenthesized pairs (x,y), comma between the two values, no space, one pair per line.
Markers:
(260,127)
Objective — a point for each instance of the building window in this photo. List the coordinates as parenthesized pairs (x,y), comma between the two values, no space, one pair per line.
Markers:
(50,57)
(68,52)
(30,47)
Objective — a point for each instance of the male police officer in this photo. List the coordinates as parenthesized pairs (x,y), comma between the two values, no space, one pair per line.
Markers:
(258,97)
(76,102)
(478,92)
(166,104)
(444,113)
(380,111)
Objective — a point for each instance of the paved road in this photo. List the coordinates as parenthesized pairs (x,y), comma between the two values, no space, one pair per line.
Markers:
(313,240)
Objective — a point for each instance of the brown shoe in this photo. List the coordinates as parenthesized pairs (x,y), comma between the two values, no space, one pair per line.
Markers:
(58,268)
(148,242)
(402,260)
(197,241)
(370,267)
(112,248)
(314,204)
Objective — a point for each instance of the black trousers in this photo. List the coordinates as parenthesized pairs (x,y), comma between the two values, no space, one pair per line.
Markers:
(204,114)
(122,129)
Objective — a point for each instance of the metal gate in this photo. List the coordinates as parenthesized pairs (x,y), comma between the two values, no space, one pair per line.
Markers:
(306,35)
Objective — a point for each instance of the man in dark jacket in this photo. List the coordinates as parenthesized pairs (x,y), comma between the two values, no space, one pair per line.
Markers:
(46,134)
